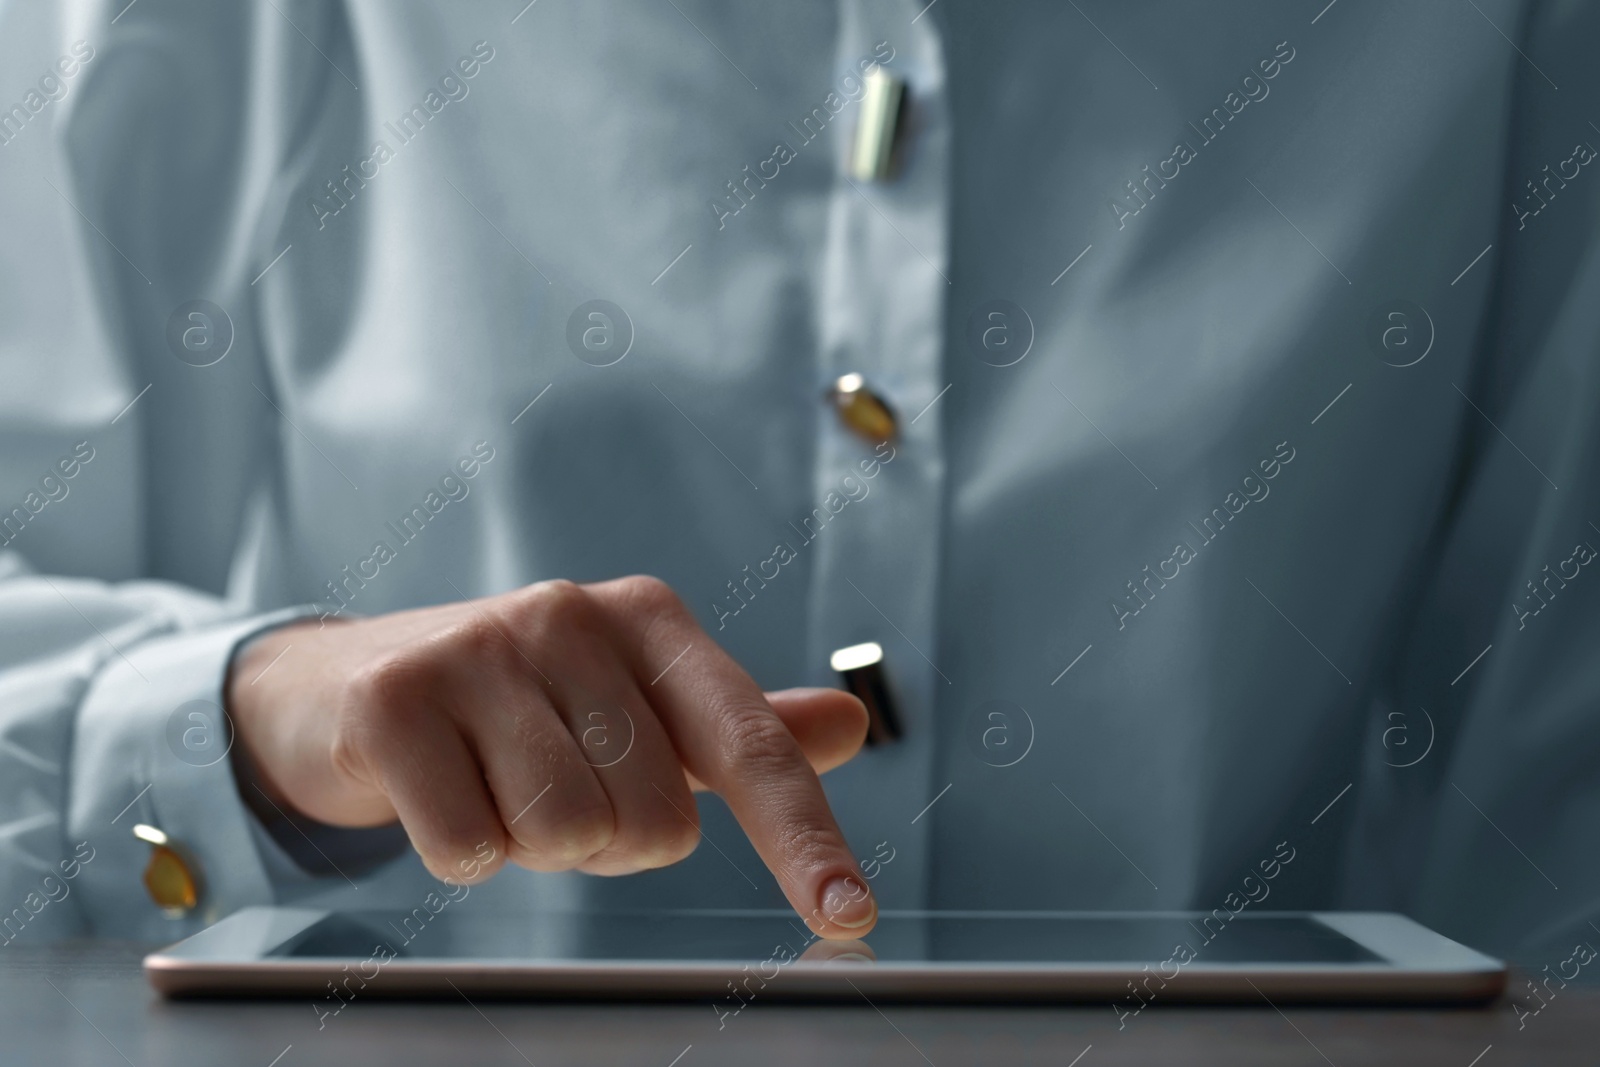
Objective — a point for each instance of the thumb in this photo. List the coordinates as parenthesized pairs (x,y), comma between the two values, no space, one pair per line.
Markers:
(829,724)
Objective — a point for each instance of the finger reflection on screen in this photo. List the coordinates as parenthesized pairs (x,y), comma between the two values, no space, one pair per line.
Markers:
(839,952)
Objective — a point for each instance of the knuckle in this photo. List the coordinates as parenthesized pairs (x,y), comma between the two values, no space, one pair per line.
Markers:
(388,682)
(378,702)
(754,742)
(652,593)
(563,830)
(479,641)
(808,843)
(350,748)
(646,845)
(554,611)
(559,601)
(580,835)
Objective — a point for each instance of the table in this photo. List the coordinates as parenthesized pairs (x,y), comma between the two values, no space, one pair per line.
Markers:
(87,1003)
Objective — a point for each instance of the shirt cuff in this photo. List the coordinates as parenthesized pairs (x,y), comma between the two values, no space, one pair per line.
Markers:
(152,746)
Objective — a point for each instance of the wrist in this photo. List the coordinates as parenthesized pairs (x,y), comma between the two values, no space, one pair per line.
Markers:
(260,696)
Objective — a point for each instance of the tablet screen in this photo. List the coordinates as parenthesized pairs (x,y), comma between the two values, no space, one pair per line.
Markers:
(947,937)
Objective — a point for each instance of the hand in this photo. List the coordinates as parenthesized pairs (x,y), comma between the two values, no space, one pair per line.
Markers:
(559,724)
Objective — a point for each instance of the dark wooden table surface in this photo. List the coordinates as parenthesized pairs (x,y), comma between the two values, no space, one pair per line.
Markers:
(89,1004)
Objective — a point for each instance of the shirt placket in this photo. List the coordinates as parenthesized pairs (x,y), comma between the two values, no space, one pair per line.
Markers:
(880,315)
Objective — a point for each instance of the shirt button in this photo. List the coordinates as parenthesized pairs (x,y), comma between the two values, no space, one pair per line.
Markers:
(872,154)
(861,410)
(171,878)
(861,669)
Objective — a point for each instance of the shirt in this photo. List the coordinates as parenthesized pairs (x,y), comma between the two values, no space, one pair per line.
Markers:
(1242,503)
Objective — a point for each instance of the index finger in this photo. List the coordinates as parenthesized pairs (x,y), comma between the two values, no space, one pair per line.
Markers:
(728,736)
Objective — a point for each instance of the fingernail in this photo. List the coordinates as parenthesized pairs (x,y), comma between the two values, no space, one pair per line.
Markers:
(847,903)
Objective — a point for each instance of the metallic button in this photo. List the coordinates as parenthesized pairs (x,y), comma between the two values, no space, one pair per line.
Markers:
(171,877)
(861,668)
(872,154)
(861,410)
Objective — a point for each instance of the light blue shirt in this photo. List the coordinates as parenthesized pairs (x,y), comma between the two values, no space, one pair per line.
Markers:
(1244,358)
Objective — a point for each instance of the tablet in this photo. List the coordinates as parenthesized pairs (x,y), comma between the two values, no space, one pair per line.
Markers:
(738,955)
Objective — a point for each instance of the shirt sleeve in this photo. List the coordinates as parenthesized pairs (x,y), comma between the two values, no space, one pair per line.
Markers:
(135,183)
(1480,799)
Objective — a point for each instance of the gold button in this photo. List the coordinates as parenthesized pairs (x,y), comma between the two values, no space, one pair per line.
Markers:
(872,154)
(861,410)
(170,877)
